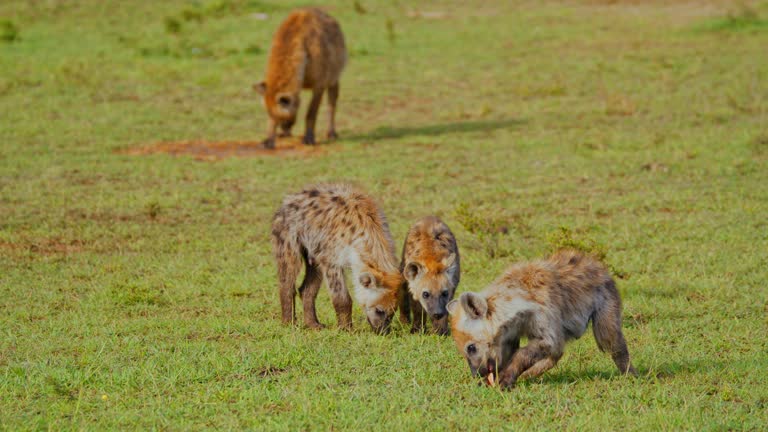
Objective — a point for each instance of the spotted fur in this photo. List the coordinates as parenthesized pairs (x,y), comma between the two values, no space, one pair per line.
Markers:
(430,265)
(308,52)
(549,302)
(332,228)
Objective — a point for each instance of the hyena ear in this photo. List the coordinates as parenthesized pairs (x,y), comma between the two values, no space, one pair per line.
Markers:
(366,280)
(451,306)
(411,270)
(260,88)
(475,306)
(449,260)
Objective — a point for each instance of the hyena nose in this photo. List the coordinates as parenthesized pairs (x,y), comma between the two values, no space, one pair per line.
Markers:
(438,316)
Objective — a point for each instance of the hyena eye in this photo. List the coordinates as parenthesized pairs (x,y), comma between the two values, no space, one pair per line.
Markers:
(444,294)
(471,349)
(425,294)
(381,312)
(284,101)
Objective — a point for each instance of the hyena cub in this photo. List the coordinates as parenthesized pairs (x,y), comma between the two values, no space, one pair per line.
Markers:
(330,228)
(549,302)
(308,52)
(430,265)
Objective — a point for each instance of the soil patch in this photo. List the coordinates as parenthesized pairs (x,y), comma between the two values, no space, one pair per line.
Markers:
(216,150)
(46,247)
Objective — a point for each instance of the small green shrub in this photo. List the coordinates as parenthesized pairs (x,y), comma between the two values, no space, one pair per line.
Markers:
(564,238)
(9,32)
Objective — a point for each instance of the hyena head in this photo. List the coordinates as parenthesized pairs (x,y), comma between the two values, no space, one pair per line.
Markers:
(282,106)
(430,282)
(474,334)
(378,294)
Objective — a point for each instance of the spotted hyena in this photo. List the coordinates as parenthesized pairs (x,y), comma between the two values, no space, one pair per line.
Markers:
(308,52)
(430,265)
(549,302)
(331,228)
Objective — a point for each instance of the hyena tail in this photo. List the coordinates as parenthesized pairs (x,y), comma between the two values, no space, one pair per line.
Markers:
(288,258)
(606,325)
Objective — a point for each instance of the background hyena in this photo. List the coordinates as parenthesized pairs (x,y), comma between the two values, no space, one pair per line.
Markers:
(430,265)
(330,228)
(549,302)
(308,52)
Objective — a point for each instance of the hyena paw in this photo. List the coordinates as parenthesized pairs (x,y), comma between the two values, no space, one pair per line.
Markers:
(507,382)
(309,138)
(442,331)
(315,326)
(332,135)
(268,143)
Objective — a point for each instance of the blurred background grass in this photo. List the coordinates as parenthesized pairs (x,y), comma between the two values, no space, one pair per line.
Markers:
(139,291)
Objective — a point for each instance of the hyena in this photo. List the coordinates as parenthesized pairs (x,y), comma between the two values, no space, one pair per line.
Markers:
(307,52)
(331,228)
(430,265)
(549,302)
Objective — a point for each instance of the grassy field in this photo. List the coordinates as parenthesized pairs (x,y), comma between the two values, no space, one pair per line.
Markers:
(139,291)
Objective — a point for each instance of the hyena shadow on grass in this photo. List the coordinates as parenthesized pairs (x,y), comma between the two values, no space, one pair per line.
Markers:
(386,132)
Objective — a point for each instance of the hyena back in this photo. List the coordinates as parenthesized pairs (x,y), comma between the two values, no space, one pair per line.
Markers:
(308,52)
(430,265)
(549,302)
(330,228)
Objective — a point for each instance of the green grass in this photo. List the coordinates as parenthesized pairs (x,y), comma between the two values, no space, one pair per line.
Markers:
(138,292)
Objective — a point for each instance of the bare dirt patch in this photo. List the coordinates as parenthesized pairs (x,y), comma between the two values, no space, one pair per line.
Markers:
(45,246)
(217,150)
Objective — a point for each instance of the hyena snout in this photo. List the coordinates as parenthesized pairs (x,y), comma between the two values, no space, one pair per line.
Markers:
(379,320)
(435,306)
(487,368)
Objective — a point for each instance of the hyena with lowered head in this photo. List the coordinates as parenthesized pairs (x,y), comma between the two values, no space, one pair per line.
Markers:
(549,302)
(330,228)
(307,52)
(430,265)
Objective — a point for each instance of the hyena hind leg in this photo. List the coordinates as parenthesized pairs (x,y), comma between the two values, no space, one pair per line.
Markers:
(288,269)
(308,290)
(606,325)
(333,96)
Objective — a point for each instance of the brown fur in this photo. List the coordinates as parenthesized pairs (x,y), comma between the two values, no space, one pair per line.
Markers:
(430,265)
(549,302)
(308,52)
(330,228)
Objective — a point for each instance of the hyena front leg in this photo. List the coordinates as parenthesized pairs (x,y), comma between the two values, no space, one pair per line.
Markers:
(527,357)
(419,316)
(340,298)
(311,119)
(405,305)
(606,325)
(539,368)
(269,142)
(308,292)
